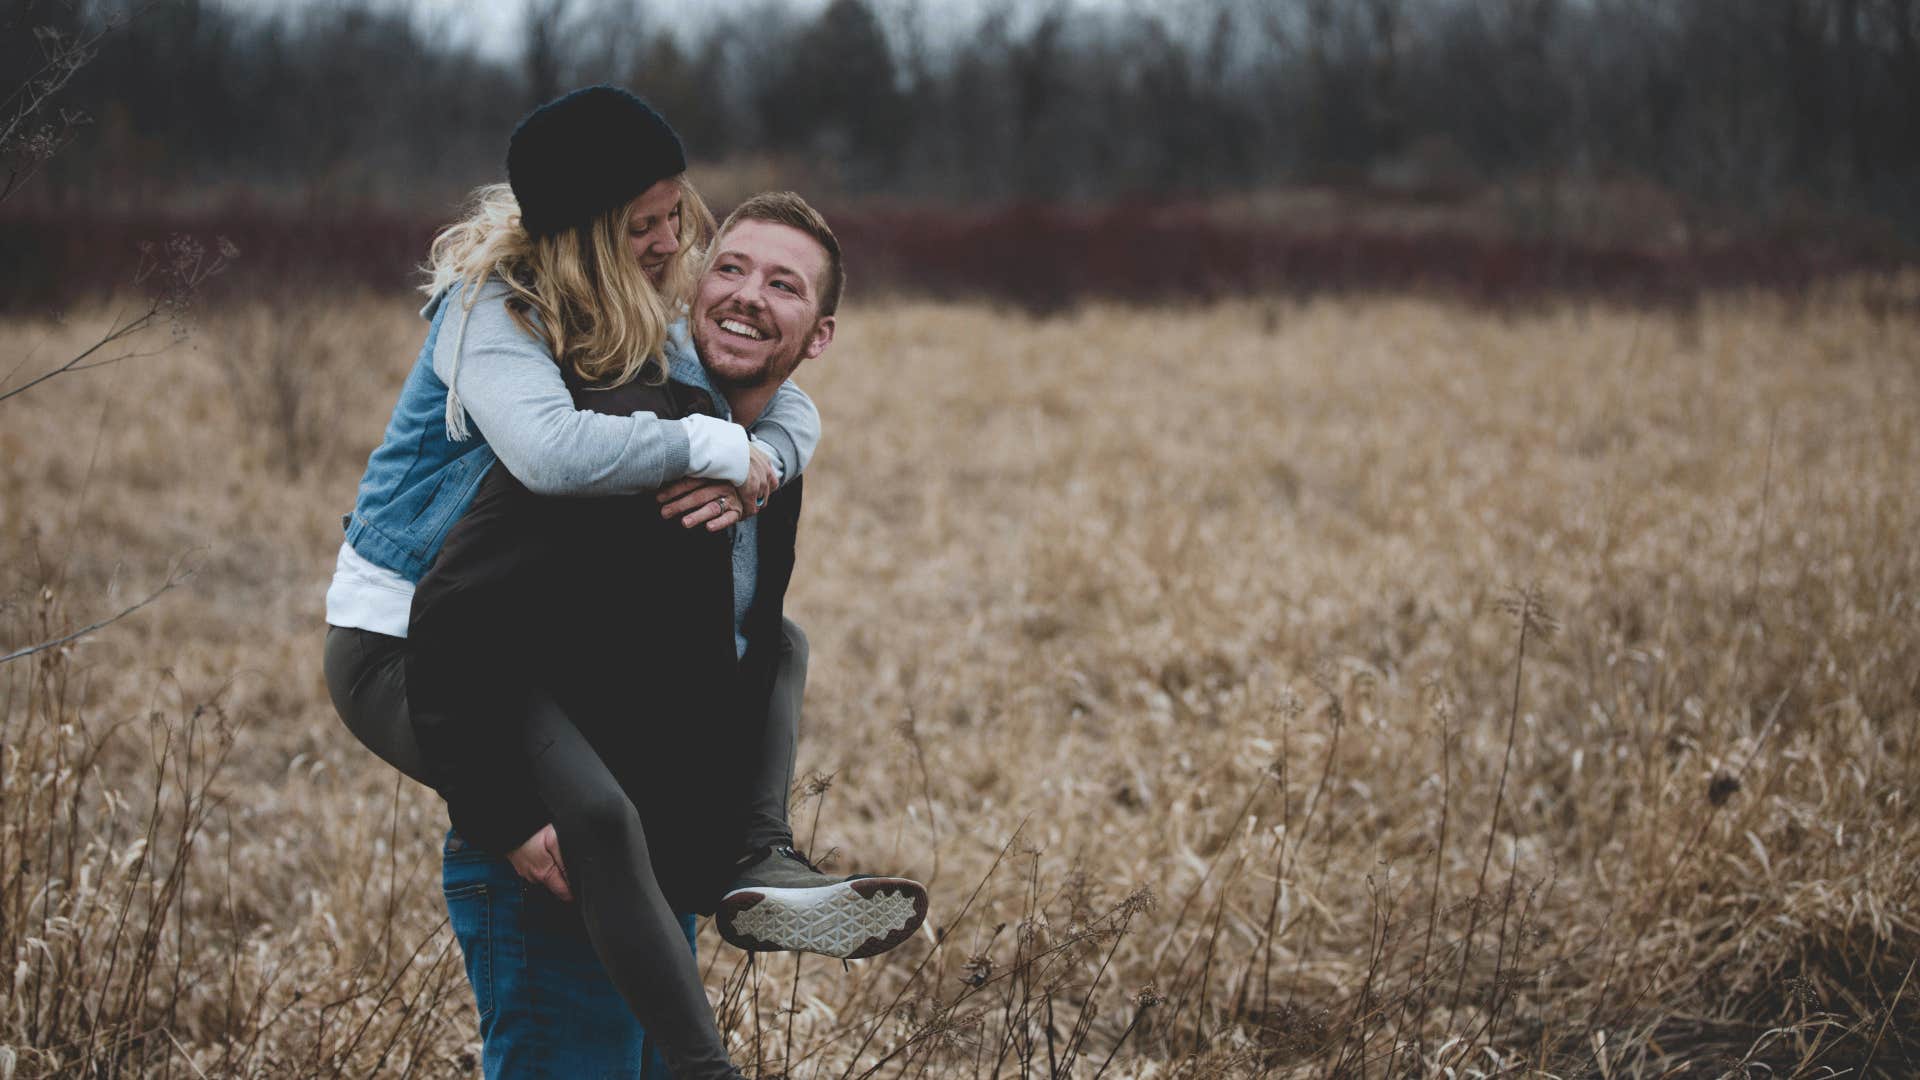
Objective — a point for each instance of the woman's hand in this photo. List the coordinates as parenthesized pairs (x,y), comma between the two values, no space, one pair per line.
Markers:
(716,503)
(538,861)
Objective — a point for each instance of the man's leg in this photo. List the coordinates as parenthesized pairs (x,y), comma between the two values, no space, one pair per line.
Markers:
(779,901)
(547,1008)
(767,824)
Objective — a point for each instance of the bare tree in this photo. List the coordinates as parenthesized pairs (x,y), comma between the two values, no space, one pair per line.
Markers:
(545,28)
(1731,103)
(33,128)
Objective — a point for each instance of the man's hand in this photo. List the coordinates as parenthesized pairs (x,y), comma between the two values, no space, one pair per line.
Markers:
(759,486)
(716,503)
(538,861)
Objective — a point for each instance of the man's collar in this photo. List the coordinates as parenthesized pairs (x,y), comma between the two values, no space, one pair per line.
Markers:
(684,366)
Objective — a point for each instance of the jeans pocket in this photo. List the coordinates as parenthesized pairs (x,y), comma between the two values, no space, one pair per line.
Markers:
(470,911)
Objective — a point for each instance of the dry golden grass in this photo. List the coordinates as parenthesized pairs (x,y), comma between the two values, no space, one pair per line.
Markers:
(1200,625)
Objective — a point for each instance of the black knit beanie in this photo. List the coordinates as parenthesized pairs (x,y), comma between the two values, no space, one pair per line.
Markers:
(585,153)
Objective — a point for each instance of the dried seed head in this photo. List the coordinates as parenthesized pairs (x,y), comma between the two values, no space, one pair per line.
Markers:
(1801,989)
(979,968)
(1529,609)
(1290,705)
(1722,788)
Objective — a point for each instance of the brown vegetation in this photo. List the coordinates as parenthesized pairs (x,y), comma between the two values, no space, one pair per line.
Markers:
(1341,687)
(1048,256)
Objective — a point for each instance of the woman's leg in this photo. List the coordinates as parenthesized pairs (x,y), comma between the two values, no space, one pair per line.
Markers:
(639,940)
(367,679)
(641,944)
(767,824)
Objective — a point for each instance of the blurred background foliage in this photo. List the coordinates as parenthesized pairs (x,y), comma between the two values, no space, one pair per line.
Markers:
(1670,126)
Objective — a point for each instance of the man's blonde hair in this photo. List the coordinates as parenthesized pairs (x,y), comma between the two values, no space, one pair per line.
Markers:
(580,290)
(789,209)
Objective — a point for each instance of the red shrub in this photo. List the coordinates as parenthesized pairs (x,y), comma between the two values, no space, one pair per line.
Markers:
(1041,257)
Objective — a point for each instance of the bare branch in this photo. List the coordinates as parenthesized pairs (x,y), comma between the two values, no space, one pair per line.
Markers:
(176,270)
(63,55)
(119,332)
(174,580)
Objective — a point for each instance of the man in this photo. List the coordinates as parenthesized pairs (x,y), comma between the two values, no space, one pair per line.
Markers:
(643,653)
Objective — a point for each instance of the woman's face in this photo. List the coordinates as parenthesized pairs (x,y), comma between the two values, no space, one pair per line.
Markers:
(653,227)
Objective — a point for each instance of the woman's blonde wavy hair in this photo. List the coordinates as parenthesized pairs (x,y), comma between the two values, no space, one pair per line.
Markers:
(580,290)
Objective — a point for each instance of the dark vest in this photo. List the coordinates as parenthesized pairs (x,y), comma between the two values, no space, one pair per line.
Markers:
(626,620)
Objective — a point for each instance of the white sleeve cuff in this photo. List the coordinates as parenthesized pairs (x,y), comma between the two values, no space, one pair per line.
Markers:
(716,449)
(773,457)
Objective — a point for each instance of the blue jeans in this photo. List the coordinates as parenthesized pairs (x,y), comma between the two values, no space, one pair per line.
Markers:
(547,1009)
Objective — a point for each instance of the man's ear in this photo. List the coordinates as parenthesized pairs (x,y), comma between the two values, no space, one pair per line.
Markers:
(819,339)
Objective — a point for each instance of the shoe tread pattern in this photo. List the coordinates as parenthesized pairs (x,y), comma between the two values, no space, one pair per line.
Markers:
(849,921)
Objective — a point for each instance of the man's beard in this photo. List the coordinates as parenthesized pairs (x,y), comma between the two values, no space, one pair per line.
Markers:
(772,372)
(764,377)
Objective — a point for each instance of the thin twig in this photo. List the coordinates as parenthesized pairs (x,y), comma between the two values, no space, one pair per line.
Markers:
(1528,611)
(1885,1020)
(183,1053)
(174,581)
(118,332)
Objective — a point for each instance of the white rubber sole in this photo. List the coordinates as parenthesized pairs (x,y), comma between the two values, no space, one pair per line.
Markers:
(847,920)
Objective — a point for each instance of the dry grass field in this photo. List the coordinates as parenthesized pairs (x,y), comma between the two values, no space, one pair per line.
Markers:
(1339,688)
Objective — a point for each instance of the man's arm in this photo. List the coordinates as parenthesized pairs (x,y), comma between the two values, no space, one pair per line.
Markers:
(788,431)
(784,438)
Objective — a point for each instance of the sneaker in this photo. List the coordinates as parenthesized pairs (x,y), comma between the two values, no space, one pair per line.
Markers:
(783,903)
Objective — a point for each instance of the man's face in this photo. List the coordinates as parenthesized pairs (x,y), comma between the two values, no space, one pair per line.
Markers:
(653,228)
(756,311)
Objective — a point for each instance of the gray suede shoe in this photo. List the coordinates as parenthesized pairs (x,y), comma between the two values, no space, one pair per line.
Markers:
(782,903)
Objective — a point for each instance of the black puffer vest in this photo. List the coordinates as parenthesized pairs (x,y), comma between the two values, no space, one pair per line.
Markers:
(626,619)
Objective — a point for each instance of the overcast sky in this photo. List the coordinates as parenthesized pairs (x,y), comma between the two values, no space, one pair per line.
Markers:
(492,25)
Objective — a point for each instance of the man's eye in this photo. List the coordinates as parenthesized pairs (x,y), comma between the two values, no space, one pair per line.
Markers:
(786,286)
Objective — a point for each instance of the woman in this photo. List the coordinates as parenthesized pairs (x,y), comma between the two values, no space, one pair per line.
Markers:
(488,388)
(563,288)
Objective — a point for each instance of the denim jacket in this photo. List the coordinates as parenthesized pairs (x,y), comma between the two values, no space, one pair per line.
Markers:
(418,481)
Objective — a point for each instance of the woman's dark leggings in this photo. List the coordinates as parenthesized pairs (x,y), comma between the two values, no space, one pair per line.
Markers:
(604,846)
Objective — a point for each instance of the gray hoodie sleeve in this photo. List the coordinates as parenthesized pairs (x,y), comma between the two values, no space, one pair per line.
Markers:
(506,381)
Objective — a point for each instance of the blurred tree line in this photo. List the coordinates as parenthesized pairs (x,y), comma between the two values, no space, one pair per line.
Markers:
(1764,105)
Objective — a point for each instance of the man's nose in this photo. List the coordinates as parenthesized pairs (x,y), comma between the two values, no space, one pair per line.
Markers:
(749,291)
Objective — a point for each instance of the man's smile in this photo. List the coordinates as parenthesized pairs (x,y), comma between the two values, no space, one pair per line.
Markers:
(740,329)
